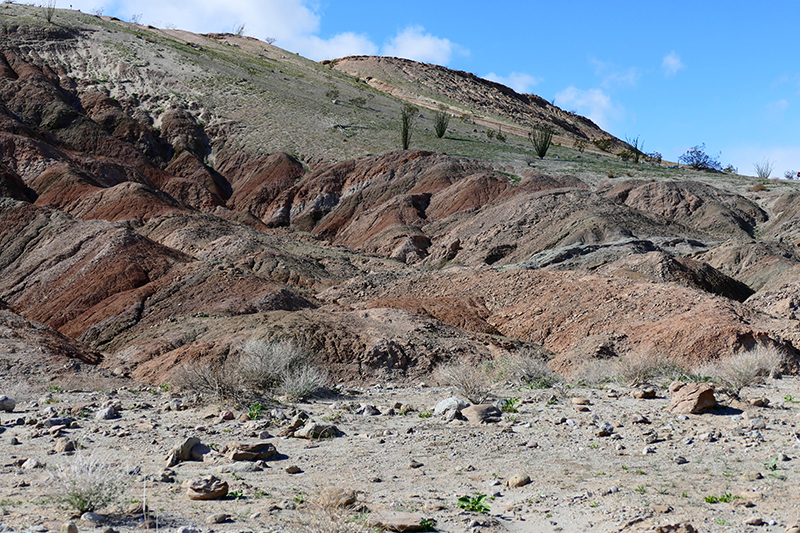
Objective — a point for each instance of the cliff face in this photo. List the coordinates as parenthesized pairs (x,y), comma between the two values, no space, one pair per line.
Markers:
(149,217)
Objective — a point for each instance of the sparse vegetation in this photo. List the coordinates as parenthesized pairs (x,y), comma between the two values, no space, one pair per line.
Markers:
(407,118)
(88,483)
(697,158)
(747,367)
(530,370)
(49,10)
(476,503)
(239,29)
(541,139)
(636,148)
(441,120)
(764,168)
(261,368)
(471,381)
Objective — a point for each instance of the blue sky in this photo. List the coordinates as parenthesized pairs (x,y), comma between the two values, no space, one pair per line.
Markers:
(675,74)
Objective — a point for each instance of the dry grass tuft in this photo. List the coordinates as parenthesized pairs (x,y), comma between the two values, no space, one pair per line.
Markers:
(530,370)
(88,483)
(746,368)
(472,381)
(260,368)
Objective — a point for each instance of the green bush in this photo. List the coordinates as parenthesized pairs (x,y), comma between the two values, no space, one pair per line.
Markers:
(407,117)
(541,139)
(441,120)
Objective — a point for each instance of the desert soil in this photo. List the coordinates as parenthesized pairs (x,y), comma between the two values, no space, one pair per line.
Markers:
(416,462)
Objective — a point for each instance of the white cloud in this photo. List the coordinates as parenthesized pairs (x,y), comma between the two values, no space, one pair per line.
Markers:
(612,76)
(294,24)
(671,64)
(592,103)
(519,81)
(776,110)
(414,43)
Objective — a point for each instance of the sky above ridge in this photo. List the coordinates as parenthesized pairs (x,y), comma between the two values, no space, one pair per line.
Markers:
(675,74)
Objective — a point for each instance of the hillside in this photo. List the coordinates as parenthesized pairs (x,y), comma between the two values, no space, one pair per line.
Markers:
(167,196)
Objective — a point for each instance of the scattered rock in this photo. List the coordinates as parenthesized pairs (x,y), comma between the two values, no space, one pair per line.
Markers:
(64,444)
(206,488)
(181,452)
(580,400)
(482,414)
(107,413)
(680,460)
(450,404)
(314,430)
(605,430)
(7,404)
(644,393)
(226,415)
(754,521)
(692,399)
(68,527)
(92,518)
(293,469)
(414,464)
(218,518)
(676,528)
(518,480)
(639,419)
(239,451)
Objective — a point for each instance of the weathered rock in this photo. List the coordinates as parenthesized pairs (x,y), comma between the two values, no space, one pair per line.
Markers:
(240,451)
(518,480)
(182,451)
(482,414)
(293,469)
(107,413)
(68,527)
(644,393)
(64,444)
(314,430)
(605,430)
(7,404)
(580,400)
(448,404)
(206,488)
(218,518)
(692,399)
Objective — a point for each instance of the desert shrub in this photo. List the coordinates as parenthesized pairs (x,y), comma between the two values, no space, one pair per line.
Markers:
(764,168)
(49,10)
(790,175)
(641,367)
(759,188)
(636,148)
(594,372)
(501,136)
(88,483)
(697,158)
(580,145)
(490,134)
(302,382)
(471,381)
(407,116)
(654,157)
(440,121)
(541,139)
(332,510)
(260,368)
(529,369)
(603,144)
(747,367)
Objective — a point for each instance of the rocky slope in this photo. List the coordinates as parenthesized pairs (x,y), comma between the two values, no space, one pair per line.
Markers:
(167,196)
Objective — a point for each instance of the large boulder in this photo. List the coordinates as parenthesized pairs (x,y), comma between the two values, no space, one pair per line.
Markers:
(693,398)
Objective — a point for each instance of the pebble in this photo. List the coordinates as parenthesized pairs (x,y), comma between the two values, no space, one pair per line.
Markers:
(518,480)
(218,518)
(69,527)
(293,469)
